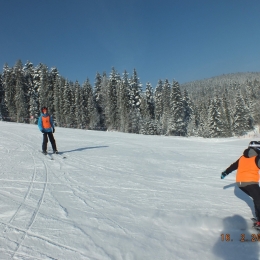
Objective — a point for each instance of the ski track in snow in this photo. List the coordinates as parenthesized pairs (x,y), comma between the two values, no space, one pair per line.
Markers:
(35,210)
(120,196)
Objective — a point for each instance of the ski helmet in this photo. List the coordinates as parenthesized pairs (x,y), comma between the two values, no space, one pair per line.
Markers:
(44,108)
(255,145)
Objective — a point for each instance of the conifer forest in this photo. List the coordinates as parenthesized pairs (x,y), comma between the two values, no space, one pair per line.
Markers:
(223,106)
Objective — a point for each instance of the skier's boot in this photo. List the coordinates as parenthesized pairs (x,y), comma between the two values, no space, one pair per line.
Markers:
(55,151)
(257,224)
(44,152)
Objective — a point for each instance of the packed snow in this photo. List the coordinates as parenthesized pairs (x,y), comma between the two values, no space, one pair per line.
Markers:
(121,196)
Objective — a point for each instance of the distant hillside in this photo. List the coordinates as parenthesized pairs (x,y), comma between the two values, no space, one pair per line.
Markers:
(205,89)
(225,80)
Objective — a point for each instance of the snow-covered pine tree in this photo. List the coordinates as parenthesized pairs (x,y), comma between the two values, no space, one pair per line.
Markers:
(94,118)
(33,95)
(240,116)
(227,112)
(59,102)
(177,125)
(67,97)
(21,91)
(192,127)
(187,107)
(202,118)
(54,82)
(85,96)
(72,108)
(255,96)
(43,85)
(78,107)
(166,105)
(149,98)
(111,110)
(135,91)
(135,102)
(215,124)
(250,106)
(3,108)
(123,103)
(158,99)
(56,79)
(88,101)
(147,111)
(158,108)
(8,81)
(98,98)
(104,91)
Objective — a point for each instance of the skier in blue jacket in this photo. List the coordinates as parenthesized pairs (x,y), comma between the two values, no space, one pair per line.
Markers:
(46,126)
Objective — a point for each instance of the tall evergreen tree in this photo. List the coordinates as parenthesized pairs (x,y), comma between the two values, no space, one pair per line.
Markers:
(227,112)
(78,106)
(166,105)
(32,92)
(215,123)
(111,107)
(148,125)
(72,108)
(9,83)
(177,125)
(3,108)
(187,107)
(240,116)
(42,73)
(99,99)
(158,100)
(123,104)
(92,110)
(135,91)
(148,103)
(89,106)
(20,94)
(59,102)
(54,91)
(135,101)
(67,97)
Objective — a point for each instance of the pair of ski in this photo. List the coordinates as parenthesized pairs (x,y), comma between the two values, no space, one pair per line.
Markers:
(51,155)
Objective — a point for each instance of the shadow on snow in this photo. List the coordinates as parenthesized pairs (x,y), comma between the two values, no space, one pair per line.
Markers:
(82,149)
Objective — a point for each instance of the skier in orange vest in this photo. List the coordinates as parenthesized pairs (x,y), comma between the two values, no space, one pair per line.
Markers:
(46,126)
(247,177)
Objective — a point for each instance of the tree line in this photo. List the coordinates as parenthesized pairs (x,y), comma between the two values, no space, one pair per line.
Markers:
(221,108)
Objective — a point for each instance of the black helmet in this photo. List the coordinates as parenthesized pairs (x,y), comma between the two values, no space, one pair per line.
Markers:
(44,108)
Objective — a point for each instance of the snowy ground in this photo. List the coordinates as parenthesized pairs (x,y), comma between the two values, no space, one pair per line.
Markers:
(121,196)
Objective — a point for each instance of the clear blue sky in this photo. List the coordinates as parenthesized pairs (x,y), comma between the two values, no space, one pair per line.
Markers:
(184,40)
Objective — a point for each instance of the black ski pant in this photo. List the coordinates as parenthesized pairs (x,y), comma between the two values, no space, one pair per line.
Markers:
(45,141)
(253,190)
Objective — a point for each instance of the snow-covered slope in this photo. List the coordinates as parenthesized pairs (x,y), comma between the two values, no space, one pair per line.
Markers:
(121,196)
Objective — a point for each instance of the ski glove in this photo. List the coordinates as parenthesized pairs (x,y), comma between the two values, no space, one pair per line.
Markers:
(43,131)
(223,174)
(53,130)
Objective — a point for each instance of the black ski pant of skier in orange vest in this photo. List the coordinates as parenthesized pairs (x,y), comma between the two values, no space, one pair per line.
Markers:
(45,141)
(253,191)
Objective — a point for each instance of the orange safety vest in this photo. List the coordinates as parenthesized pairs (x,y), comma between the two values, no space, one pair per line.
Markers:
(46,122)
(247,170)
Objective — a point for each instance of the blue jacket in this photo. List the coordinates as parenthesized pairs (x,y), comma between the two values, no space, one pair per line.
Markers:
(46,130)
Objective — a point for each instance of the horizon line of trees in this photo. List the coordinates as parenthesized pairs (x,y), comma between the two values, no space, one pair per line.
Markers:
(119,103)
